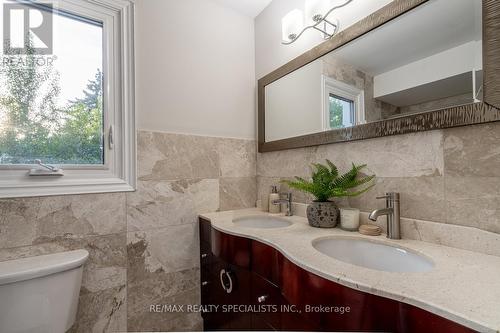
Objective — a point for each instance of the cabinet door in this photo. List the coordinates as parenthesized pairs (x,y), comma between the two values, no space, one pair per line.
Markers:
(228,292)
(296,292)
(231,249)
(265,261)
(415,320)
(236,292)
(329,306)
(339,308)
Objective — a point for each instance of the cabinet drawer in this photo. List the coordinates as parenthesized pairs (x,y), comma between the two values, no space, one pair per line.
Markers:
(206,256)
(267,300)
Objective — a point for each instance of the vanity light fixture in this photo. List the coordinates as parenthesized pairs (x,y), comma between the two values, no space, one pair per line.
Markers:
(291,25)
(316,17)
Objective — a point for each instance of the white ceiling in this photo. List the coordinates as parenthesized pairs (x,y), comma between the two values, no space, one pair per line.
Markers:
(431,28)
(250,8)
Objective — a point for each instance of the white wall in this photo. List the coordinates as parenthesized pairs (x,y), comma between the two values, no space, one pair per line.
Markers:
(466,58)
(195,68)
(270,53)
(294,104)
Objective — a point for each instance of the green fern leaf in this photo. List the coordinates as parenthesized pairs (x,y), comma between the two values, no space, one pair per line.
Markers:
(326,183)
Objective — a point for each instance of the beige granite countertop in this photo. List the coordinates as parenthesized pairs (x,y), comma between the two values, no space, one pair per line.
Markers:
(464,286)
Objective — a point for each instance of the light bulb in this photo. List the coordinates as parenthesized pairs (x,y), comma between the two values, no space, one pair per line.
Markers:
(315,10)
(292,24)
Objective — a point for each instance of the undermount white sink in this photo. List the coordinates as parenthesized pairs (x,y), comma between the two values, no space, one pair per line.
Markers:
(373,255)
(262,222)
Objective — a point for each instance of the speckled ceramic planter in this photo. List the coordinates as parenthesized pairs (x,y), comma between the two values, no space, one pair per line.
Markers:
(323,214)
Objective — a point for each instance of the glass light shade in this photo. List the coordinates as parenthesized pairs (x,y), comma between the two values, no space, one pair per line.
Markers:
(292,24)
(315,8)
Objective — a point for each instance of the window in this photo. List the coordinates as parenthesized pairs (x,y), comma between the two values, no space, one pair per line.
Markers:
(343,104)
(51,109)
(67,98)
(341,112)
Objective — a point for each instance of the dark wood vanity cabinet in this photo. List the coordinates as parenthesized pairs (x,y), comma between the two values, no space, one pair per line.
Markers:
(254,287)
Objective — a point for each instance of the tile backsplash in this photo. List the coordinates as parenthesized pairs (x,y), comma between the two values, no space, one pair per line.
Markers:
(446,176)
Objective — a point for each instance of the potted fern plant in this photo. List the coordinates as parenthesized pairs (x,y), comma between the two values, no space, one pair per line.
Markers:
(326,183)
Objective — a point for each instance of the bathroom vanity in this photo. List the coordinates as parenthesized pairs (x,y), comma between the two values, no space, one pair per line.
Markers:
(256,282)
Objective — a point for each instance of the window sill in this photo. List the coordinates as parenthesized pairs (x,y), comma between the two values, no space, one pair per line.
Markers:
(61,187)
(17,183)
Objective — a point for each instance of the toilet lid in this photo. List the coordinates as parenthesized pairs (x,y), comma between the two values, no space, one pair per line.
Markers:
(29,268)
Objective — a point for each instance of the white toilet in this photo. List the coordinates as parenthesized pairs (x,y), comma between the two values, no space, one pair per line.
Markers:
(40,294)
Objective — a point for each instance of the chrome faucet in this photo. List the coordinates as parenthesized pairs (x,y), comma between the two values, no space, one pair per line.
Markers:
(287,201)
(392,211)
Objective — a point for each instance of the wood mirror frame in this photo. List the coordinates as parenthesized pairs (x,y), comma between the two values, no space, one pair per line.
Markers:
(477,113)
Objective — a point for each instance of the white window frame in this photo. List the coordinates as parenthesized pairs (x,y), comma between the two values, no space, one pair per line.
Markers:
(118,174)
(330,86)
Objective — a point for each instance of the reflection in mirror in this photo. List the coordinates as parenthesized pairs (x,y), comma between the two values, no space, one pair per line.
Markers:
(427,59)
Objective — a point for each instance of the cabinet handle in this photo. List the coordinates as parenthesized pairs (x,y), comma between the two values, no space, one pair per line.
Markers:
(262,299)
(204,255)
(228,288)
(204,283)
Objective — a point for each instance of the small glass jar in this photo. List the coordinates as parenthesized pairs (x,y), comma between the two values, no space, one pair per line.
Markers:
(349,219)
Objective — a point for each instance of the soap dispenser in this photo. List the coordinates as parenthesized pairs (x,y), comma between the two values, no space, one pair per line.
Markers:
(274,209)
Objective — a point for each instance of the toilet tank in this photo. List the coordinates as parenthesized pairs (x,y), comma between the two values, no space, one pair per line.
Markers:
(40,294)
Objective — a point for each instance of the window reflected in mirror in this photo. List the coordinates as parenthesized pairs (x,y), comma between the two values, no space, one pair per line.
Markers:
(341,112)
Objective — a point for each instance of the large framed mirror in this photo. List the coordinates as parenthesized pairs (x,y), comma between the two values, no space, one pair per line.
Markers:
(414,65)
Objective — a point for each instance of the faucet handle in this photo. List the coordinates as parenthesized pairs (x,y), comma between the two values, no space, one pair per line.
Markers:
(390,195)
(287,195)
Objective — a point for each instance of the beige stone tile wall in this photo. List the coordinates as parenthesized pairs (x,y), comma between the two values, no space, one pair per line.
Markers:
(143,245)
(447,176)
(179,177)
(36,226)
